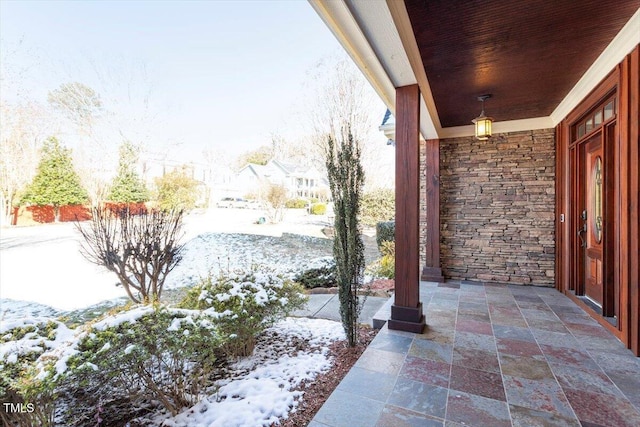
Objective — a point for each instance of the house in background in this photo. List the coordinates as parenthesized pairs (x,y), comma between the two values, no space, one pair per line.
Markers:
(552,197)
(300,181)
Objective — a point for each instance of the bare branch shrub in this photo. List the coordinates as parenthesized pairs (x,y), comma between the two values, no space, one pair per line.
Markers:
(140,249)
(274,198)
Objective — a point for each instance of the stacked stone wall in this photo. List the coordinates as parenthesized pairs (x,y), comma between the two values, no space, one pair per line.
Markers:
(497,201)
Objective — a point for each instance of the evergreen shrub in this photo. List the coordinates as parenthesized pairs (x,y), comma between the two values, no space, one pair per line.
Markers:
(140,357)
(318,209)
(245,303)
(296,204)
(385,232)
(27,374)
(320,273)
(385,266)
(377,205)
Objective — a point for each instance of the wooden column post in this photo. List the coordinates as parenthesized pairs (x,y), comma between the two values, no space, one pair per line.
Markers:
(406,312)
(432,271)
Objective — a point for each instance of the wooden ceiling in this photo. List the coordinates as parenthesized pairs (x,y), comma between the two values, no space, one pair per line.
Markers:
(526,54)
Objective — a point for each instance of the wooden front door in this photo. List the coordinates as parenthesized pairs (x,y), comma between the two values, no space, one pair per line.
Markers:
(592,210)
(591,221)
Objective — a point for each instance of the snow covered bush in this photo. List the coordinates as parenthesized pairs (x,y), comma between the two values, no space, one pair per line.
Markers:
(320,273)
(27,380)
(127,363)
(245,303)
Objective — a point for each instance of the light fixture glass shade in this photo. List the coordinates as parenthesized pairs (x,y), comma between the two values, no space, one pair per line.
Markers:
(483,127)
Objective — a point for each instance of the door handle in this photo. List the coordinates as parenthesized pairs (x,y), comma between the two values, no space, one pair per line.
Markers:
(581,230)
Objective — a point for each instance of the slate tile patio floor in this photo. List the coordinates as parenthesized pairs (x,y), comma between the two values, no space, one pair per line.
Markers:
(491,356)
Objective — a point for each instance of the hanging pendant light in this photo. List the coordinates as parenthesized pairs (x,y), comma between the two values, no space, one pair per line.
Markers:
(482,122)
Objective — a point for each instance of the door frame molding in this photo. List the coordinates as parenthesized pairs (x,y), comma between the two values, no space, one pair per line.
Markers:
(566,168)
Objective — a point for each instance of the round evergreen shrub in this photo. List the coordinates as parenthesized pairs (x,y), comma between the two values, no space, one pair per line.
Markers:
(244,304)
(139,358)
(295,204)
(318,209)
(27,374)
(385,266)
(320,273)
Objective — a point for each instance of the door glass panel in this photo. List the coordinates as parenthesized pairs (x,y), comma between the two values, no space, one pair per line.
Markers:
(597,118)
(608,110)
(589,124)
(581,131)
(596,197)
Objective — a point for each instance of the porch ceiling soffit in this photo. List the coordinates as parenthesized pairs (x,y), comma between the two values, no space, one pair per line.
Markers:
(382,43)
(371,39)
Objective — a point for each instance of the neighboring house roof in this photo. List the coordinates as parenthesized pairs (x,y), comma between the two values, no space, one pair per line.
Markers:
(388,119)
(290,168)
(252,168)
(388,126)
(277,168)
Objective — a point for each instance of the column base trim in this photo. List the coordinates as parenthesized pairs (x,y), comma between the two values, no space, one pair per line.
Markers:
(432,274)
(409,319)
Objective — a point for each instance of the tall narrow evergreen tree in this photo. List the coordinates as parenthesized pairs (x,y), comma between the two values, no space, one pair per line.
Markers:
(56,182)
(127,186)
(346,180)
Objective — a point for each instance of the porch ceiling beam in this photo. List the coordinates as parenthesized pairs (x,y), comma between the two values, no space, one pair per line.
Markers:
(400,17)
(338,18)
(368,34)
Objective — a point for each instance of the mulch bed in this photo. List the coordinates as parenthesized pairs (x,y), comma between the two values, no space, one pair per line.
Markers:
(375,288)
(318,391)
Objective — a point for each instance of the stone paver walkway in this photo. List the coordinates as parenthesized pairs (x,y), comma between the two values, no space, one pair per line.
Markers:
(491,356)
(327,306)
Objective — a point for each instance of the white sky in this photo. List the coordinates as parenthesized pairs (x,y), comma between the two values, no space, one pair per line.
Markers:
(228,73)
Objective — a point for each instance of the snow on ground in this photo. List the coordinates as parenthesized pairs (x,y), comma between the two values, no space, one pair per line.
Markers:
(263,391)
(11,309)
(43,265)
(214,252)
(42,274)
(259,389)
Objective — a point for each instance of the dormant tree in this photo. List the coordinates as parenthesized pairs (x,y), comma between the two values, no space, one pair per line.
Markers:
(341,95)
(258,156)
(24,125)
(23,129)
(291,150)
(140,249)
(82,108)
(78,102)
(274,198)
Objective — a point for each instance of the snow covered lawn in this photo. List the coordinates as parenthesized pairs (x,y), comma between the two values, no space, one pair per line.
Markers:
(43,272)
